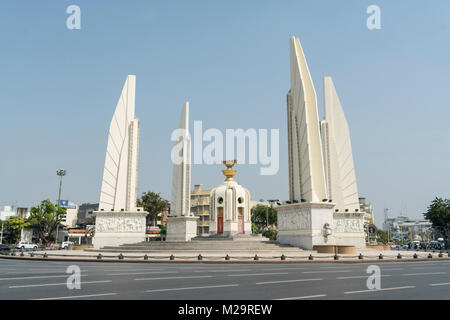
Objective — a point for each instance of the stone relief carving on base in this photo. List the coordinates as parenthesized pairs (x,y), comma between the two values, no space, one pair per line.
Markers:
(294,219)
(343,224)
(120,224)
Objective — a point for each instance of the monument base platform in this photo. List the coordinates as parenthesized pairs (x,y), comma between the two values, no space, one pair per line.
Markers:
(114,228)
(182,228)
(307,225)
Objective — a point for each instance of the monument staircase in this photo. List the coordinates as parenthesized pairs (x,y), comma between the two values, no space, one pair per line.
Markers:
(217,244)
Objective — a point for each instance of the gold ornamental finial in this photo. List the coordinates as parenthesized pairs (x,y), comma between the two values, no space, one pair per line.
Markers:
(229,172)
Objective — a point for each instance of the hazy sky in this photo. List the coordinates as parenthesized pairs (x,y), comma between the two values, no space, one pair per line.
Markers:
(230,59)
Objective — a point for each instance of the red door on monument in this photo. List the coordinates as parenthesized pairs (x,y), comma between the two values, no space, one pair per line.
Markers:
(220,220)
(241,220)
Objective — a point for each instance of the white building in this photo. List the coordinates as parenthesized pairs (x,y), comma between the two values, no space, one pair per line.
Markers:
(70,219)
(7,212)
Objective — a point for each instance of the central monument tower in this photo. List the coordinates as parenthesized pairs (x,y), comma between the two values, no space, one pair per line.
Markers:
(230,206)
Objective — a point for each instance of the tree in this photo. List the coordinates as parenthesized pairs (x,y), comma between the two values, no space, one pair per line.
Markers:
(439,215)
(264,216)
(382,236)
(13,226)
(45,218)
(154,204)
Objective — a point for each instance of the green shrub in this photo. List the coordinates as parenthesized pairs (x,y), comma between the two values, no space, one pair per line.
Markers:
(271,234)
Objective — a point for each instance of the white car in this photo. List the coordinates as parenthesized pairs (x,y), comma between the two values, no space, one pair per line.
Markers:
(26,245)
(66,244)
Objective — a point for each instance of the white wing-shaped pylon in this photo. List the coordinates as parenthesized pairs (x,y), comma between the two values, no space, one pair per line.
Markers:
(306,169)
(120,174)
(181,179)
(339,167)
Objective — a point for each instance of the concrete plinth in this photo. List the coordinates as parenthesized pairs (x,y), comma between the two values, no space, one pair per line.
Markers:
(307,225)
(302,224)
(114,228)
(182,228)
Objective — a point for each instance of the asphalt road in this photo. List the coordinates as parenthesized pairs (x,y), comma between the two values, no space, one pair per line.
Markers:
(21,279)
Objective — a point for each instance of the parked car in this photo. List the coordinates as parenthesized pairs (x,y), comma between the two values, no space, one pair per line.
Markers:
(26,245)
(4,248)
(66,244)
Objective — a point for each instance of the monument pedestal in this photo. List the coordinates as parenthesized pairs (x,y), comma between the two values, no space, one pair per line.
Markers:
(309,225)
(304,224)
(114,228)
(348,229)
(181,228)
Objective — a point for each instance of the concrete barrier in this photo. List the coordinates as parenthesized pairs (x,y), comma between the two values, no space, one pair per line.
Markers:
(346,249)
(335,249)
(324,249)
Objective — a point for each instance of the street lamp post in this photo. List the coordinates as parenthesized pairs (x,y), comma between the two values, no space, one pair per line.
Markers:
(61,173)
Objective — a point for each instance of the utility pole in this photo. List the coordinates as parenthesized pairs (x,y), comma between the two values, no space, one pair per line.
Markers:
(388,226)
(1,237)
(61,173)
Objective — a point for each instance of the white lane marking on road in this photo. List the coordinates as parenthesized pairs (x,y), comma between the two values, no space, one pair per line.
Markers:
(168,278)
(304,297)
(77,297)
(391,269)
(287,281)
(376,290)
(423,274)
(55,284)
(280,269)
(138,273)
(361,277)
(194,288)
(132,270)
(225,270)
(37,277)
(440,284)
(333,268)
(327,271)
(255,274)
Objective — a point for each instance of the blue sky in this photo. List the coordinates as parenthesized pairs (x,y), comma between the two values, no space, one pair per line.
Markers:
(230,59)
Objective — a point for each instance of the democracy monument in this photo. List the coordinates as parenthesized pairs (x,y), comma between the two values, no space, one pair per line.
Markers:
(323,206)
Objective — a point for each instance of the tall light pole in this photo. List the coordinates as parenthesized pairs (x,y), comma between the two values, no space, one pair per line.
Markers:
(61,173)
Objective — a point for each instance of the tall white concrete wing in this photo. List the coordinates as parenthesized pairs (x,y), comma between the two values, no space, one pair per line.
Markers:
(306,167)
(119,184)
(181,180)
(340,172)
